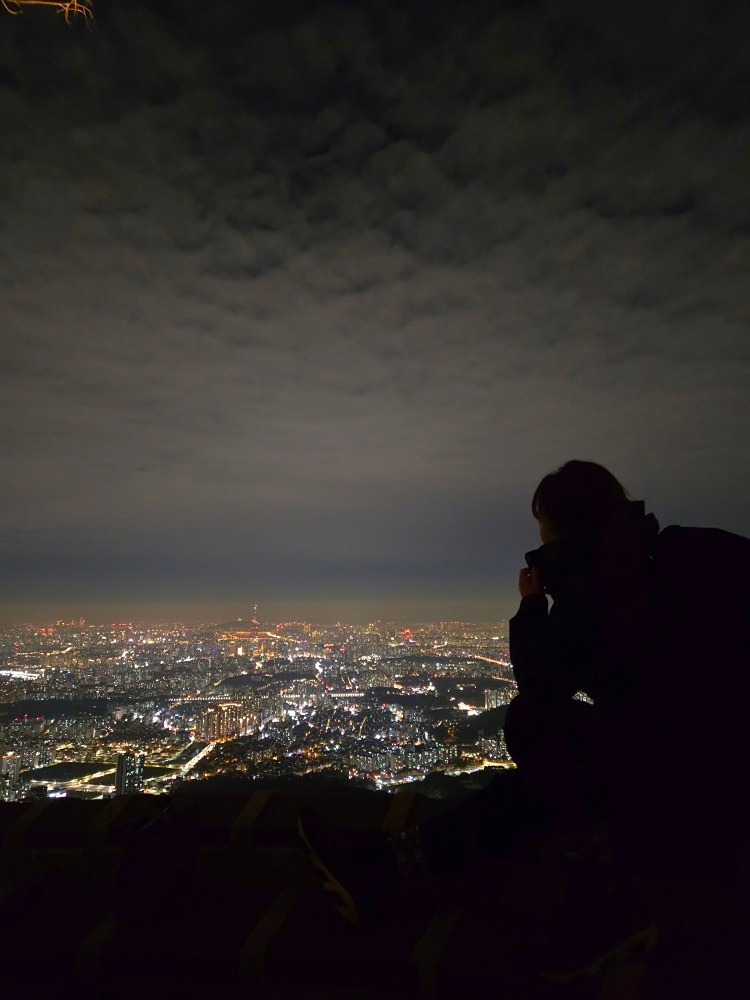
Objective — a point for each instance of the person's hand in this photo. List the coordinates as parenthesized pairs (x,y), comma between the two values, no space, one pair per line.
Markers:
(529,582)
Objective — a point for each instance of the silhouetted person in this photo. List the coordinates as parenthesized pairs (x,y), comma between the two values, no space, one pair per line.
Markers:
(645,624)
(594,563)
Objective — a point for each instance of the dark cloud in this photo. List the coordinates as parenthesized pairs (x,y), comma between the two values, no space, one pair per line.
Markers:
(305,300)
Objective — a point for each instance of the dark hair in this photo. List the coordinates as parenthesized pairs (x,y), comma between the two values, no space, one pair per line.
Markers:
(578,498)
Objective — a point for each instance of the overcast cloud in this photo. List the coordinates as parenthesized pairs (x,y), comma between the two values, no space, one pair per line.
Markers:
(298,307)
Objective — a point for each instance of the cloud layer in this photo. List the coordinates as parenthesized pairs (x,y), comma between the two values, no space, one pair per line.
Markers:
(301,302)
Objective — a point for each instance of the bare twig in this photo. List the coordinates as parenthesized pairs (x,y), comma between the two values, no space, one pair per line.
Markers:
(69,9)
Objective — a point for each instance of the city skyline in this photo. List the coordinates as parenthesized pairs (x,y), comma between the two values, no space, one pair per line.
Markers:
(95,710)
(267,619)
(300,302)
(368,612)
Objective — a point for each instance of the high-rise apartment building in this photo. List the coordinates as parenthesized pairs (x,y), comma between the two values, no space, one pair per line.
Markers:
(495,697)
(129,776)
(10,776)
(221,721)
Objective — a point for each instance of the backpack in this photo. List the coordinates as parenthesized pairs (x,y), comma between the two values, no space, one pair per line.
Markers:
(700,614)
(697,697)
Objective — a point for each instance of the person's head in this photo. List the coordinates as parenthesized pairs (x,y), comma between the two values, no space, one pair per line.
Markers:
(576,499)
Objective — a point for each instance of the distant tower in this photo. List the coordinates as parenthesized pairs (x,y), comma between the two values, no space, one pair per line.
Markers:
(129,777)
(254,618)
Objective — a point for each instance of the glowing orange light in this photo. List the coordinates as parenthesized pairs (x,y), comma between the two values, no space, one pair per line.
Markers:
(68,9)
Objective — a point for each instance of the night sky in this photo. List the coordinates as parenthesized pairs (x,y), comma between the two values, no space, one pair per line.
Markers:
(298,302)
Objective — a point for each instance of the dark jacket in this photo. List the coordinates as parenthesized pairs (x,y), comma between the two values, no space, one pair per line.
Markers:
(591,638)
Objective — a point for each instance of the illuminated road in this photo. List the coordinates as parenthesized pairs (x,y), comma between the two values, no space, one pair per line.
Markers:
(89,779)
(194,760)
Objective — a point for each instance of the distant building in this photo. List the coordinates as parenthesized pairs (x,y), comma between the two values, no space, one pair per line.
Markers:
(221,721)
(129,777)
(496,697)
(495,747)
(10,776)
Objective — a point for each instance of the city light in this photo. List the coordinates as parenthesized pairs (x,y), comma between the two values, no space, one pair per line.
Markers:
(97,710)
